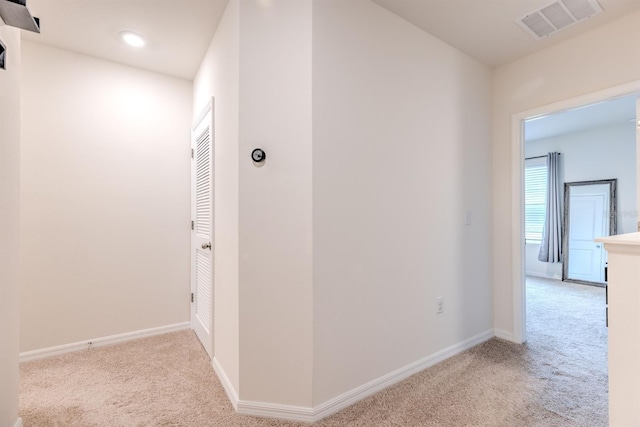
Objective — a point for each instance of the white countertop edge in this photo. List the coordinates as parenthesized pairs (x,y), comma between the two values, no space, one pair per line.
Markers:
(631,239)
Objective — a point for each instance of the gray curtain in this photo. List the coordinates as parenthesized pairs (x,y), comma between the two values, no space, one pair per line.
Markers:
(551,246)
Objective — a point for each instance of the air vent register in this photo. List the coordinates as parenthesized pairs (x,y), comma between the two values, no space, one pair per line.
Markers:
(557,16)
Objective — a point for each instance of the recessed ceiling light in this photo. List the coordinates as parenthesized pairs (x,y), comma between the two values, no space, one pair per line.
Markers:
(132,39)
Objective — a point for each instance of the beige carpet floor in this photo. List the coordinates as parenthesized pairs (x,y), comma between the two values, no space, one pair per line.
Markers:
(559,378)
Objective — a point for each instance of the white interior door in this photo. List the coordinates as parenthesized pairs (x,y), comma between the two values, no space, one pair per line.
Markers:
(588,220)
(202,249)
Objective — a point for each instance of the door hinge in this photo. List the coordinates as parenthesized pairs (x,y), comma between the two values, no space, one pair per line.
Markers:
(192,153)
(192,225)
(191,296)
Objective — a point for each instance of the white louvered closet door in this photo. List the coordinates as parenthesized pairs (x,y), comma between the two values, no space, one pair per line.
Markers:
(202,248)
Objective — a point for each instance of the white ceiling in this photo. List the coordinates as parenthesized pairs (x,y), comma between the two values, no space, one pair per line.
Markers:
(615,112)
(486,29)
(178,32)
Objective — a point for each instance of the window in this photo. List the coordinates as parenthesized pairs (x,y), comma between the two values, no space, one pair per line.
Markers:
(535,195)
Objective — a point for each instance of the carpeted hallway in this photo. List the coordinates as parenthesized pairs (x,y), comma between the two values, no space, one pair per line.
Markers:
(559,378)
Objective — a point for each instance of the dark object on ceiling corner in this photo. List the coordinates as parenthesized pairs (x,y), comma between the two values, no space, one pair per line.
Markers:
(16,14)
(3,56)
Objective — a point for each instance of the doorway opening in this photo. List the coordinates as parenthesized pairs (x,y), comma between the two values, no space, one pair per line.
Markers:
(539,125)
(596,177)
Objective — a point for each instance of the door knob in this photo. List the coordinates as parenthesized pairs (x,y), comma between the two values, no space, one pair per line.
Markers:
(598,246)
(206,245)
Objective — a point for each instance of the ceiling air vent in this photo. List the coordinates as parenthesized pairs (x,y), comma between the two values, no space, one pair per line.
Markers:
(558,16)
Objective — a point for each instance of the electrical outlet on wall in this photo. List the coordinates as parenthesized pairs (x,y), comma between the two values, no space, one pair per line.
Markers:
(439,305)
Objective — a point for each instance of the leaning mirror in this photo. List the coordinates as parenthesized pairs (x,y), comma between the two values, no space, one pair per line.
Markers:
(589,212)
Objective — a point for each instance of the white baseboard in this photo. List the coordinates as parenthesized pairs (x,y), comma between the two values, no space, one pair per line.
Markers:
(100,342)
(508,336)
(544,276)
(349,398)
(226,383)
(310,415)
(271,410)
(18,423)
(259,409)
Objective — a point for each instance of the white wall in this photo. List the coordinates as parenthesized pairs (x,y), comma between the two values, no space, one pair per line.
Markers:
(401,151)
(637,125)
(9,225)
(258,68)
(603,153)
(275,202)
(605,57)
(218,77)
(105,198)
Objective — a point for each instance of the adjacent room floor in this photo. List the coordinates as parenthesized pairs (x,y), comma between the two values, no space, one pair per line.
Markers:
(559,378)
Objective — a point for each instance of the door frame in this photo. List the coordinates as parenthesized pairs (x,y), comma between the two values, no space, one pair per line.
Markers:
(517,189)
(612,220)
(207,113)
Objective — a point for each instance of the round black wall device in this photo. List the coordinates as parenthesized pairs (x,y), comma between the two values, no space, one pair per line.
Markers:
(258,155)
